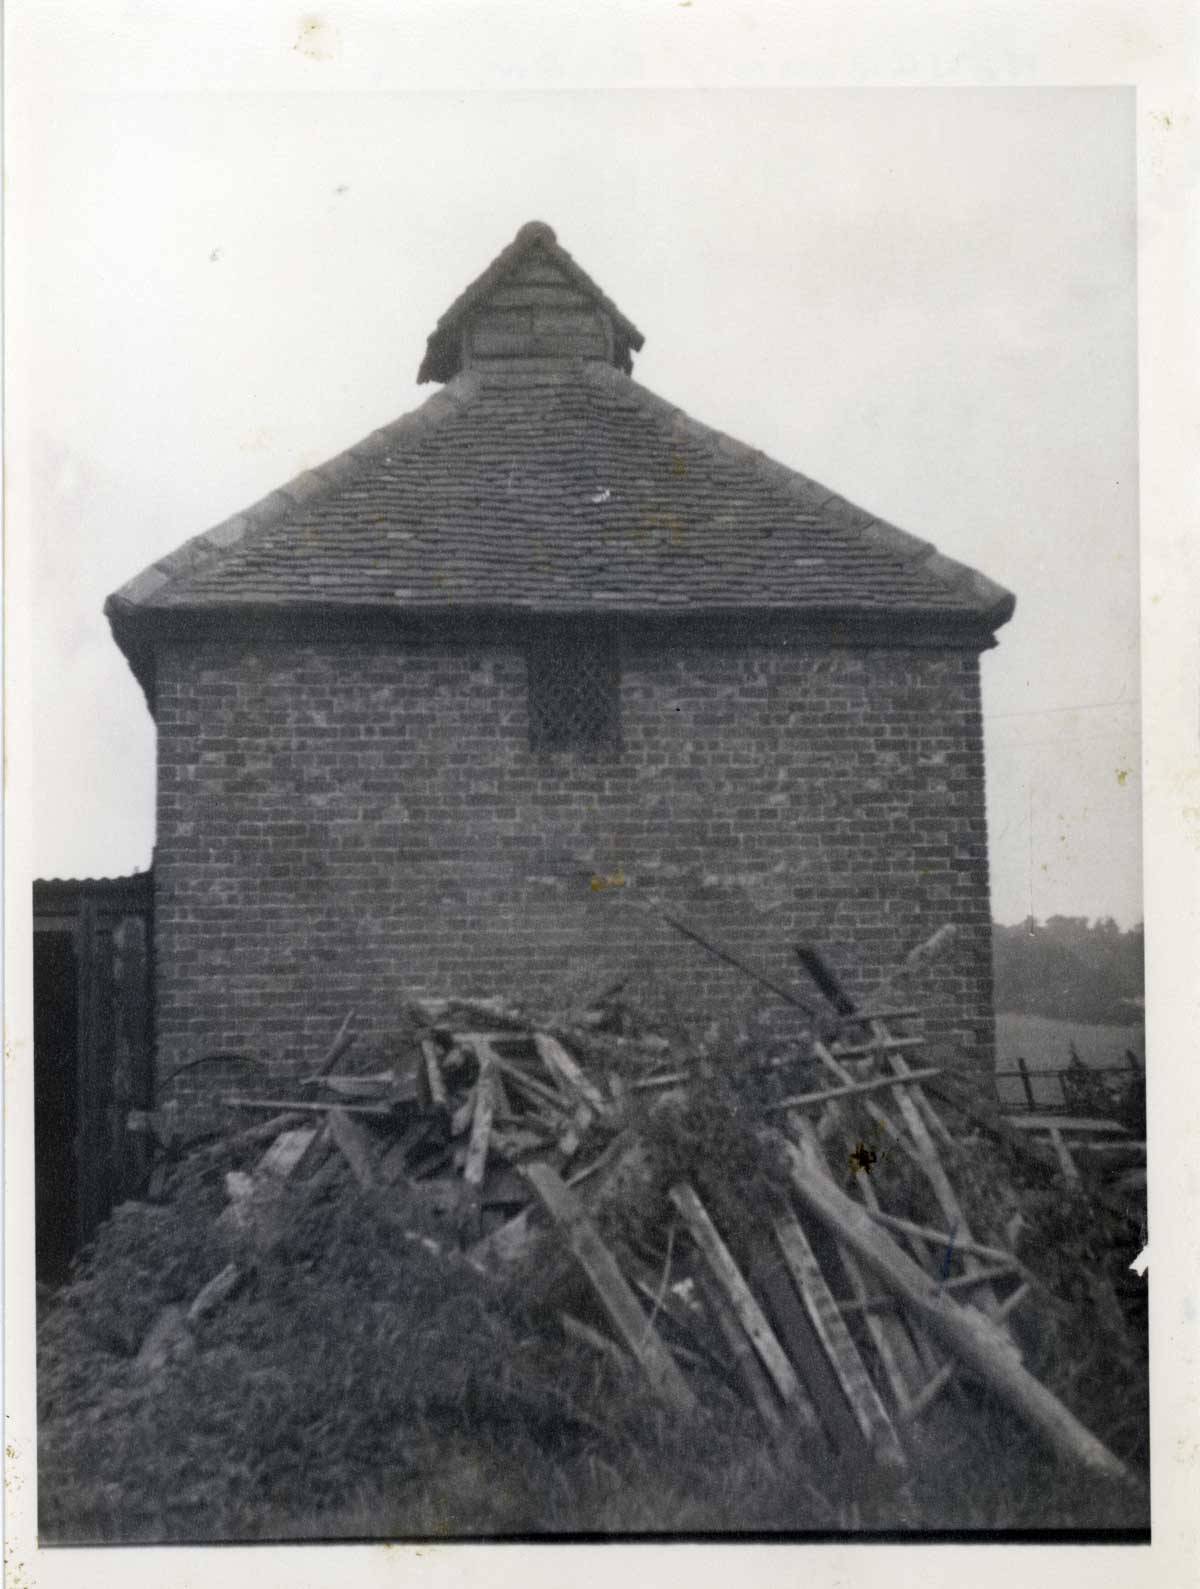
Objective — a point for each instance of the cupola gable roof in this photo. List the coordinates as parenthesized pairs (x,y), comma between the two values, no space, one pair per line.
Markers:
(533,302)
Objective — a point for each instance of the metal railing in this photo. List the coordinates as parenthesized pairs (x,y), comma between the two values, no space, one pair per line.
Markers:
(1067,1089)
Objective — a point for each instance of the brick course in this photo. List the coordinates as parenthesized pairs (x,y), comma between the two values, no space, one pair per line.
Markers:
(353,823)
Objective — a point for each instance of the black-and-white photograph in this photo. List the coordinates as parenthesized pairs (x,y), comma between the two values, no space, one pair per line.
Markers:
(588,959)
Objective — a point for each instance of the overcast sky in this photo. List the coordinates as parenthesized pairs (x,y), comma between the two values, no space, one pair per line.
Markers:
(923,298)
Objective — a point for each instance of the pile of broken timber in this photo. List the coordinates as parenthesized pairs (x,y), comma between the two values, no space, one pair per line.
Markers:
(486,1097)
(838,1321)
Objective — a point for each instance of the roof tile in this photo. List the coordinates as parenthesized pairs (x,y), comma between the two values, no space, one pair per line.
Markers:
(558,490)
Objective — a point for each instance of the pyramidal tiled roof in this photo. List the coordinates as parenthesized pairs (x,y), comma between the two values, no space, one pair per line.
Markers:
(555,486)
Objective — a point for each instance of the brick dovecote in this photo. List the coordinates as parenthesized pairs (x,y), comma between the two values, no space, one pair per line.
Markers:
(352,823)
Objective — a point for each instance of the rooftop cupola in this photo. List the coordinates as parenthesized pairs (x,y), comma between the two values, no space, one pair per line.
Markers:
(532,303)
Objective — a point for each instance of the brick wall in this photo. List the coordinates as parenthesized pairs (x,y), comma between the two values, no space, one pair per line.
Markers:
(353,823)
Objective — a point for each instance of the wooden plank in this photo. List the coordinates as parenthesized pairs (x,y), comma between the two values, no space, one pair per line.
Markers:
(172,1328)
(930,1161)
(569,1139)
(1110,1154)
(506,1244)
(493,1010)
(210,1297)
(355,1146)
(933,1120)
(462,1117)
(929,1394)
(1058,1142)
(381,1085)
(945,1241)
(820,1409)
(536,1090)
(500,1095)
(285,1153)
(481,1126)
(879,1045)
(960,1330)
(746,1365)
(167,1339)
(617,1146)
(856,1017)
(132,1062)
(265,1131)
(873,1085)
(726,1272)
(291,1106)
(431,1070)
(1065,1123)
(985,1116)
(913,1352)
(897,1355)
(876,1019)
(957,1284)
(871,1415)
(836,1068)
(393,1165)
(316,1152)
(613,1290)
(562,1065)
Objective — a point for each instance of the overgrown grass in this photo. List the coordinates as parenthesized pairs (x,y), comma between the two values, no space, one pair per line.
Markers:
(363,1383)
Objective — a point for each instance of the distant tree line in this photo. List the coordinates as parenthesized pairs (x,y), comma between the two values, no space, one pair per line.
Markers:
(1072,968)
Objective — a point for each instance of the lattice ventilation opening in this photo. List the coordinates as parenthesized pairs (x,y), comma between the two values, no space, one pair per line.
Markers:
(574,692)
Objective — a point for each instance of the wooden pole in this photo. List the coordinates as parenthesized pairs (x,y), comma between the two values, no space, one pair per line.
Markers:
(935,1172)
(875,1083)
(897,1353)
(957,1284)
(739,965)
(970,1338)
(611,1287)
(945,1374)
(836,1068)
(1026,1083)
(944,1241)
(339,1045)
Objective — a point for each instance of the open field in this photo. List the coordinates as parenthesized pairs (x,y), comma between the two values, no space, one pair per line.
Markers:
(1046,1044)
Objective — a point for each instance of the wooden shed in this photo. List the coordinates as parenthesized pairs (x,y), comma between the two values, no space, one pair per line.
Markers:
(92,1053)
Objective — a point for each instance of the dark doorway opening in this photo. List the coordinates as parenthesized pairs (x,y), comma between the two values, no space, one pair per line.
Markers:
(56,1102)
